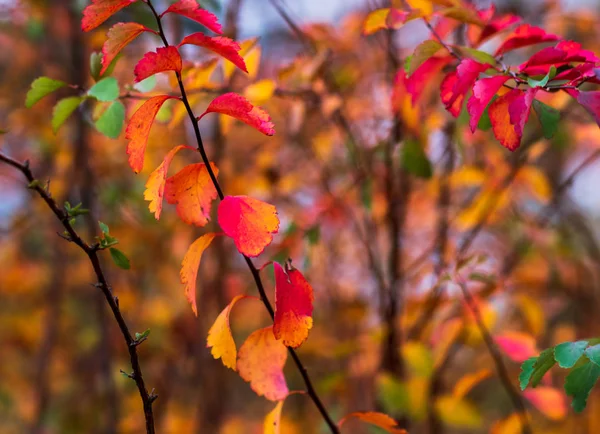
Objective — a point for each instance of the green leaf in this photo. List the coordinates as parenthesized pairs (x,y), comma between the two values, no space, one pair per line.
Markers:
(146,85)
(63,109)
(95,65)
(103,228)
(593,353)
(407,63)
(526,372)
(422,52)
(110,123)
(579,383)
(120,259)
(139,336)
(414,159)
(106,89)
(543,363)
(366,193)
(539,83)
(568,353)
(478,55)
(313,234)
(40,88)
(549,118)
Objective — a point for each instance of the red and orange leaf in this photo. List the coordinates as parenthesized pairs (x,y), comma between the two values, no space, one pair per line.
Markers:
(523,36)
(220,339)
(272,422)
(238,107)
(155,186)
(192,10)
(189,267)
(380,420)
(138,130)
(483,92)
(260,362)
(549,401)
(193,191)
(293,306)
(250,222)
(224,47)
(509,114)
(118,37)
(518,346)
(457,83)
(100,11)
(165,59)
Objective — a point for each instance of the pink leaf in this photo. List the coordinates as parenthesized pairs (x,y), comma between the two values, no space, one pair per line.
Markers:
(165,59)
(238,107)
(483,92)
(457,84)
(224,47)
(192,10)
(590,101)
(523,36)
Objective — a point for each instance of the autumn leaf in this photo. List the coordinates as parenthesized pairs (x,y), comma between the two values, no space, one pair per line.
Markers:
(260,362)
(293,306)
(155,186)
(423,51)
(100,11)
(456,84)
(590,101)
(509,114)
(238,107)
(272,422)
(549,401)
(424,75)
(495,25)
(380,420)
(118,37)
(250,222)
(165,59)
(193,191)
(483,92)
(468,381)
(138,130)
(386,18)
(192,10)
(523,36)
(563,53)
(220,339)
(224,47)
(189,267)
(518,346)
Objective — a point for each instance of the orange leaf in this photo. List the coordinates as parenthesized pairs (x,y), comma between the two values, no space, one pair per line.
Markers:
(220,338)
(467,382)
(118,37)
(549,401)
(293,306)
(155,186)
(224,47)
(189,267)
(100,11)
(192,10)
(380,420)
(250,222)
(138,130)
(165,59)
(260,362)
(193,191)
(237,106)
(509,114)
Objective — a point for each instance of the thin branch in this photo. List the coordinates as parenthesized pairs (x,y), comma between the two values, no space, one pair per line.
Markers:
(310,390)
(92,253)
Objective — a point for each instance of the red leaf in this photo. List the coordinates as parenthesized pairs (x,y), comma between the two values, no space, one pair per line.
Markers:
(523,36)
(224,47)
(260,362)
(495,25)
(565,52)
(423,75)
(250,222)
(457,83)
(192,10)
(189,267)
(237,106)
(155,186)
(590,101)
(508,115)
(193,191)
(138,130)
(483,92)
(119,36)
(293,306)
(100,11)
(165,59)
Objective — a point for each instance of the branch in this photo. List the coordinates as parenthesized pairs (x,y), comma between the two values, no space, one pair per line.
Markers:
(310,390)
(92,253)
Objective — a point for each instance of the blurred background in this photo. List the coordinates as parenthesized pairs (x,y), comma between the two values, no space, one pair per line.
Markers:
(375,207)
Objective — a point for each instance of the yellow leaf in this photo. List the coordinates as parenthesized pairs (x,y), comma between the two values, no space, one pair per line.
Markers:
(189,267)
(467,382)
(425,6)
(250,51)
(532,312)
(375,21)
(260,92)
(272,423)
(457,412)
(220,339)
(535,180)
(510,425)
(418,358)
